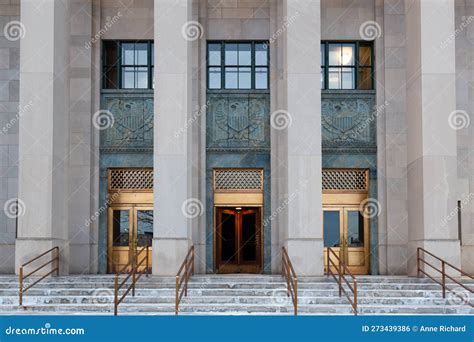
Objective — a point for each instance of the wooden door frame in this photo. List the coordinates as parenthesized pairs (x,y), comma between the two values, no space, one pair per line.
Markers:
(237,266)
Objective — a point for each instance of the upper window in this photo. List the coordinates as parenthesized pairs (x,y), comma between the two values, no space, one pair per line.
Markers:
(237,65)
(346,65)
(128,65)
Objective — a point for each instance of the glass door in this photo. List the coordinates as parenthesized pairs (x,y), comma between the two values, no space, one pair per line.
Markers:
(130,228)
(345,230)
(238,236)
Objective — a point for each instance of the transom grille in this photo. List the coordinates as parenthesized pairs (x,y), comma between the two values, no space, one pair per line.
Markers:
(131,179)
(238,180)
(345,180)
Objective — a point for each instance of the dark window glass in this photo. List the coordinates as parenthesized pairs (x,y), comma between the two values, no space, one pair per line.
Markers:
(346,66)
(228,238)
(331,228)
(128,65)
(249,237)
(120,227)
(237,65)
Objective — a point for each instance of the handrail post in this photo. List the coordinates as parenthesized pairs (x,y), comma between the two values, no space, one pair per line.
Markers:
(328,264)
(20,281)
(146,262)
(295,290)
(418,262)
(177,295)
(340,278)
(355,297)
(116,294)
(57,261)
(443,277)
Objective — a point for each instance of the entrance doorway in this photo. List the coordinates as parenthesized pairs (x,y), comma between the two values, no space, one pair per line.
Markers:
(346,232)
(345,227)
(238,240)
(130,229)
(129,216)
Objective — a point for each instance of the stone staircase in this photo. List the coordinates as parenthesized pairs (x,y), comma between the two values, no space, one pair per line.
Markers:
(238,294)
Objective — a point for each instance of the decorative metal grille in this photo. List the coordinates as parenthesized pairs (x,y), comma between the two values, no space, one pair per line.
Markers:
(238,180)
(131,179)
(348,180)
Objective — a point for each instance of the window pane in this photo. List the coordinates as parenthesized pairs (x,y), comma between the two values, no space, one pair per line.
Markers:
(152,54)
(348,54)
(110,50)
(231,54)
(153,77)
(141,78)
(120,227)
(365,78)
(334,81)
(144,227)
(214,54)
(261,54)
(128,54)
(141,54)
(245,54)
(261,78)
(245,78)
(322,78)
(231,78)
(331,228)
(128,75)
(110,78)
(365,55)
(334,54)
(348,78)
(215,78)
(323,54)
(355,228)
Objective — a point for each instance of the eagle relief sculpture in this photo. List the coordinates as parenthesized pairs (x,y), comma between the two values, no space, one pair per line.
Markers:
(346,122)
(237,122)
(133,123)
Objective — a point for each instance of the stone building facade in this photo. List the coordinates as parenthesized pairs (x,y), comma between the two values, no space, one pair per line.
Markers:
(226,125)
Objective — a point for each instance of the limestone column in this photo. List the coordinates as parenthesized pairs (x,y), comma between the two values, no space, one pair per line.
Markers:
(304,235)
(431,100)
(44,131)
(174,208)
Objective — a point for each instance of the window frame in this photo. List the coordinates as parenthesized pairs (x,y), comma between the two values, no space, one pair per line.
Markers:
(223,66)
(120,66)
(356,67)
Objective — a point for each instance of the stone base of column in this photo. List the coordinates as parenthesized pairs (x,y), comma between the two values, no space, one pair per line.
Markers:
(448,250)
(467,256)
(29,248)
(307,256)
(168,255)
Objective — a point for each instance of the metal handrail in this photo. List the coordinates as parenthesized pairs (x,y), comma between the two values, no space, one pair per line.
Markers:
(132,266)
(22,277)
(444,275)
(188,267)
(291,279)
(342,270)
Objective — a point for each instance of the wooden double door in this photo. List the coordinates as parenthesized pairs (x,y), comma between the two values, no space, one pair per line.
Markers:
(130,228)
(346,231)
(238,240)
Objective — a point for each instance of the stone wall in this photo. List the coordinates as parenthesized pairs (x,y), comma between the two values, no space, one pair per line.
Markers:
(9,122)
